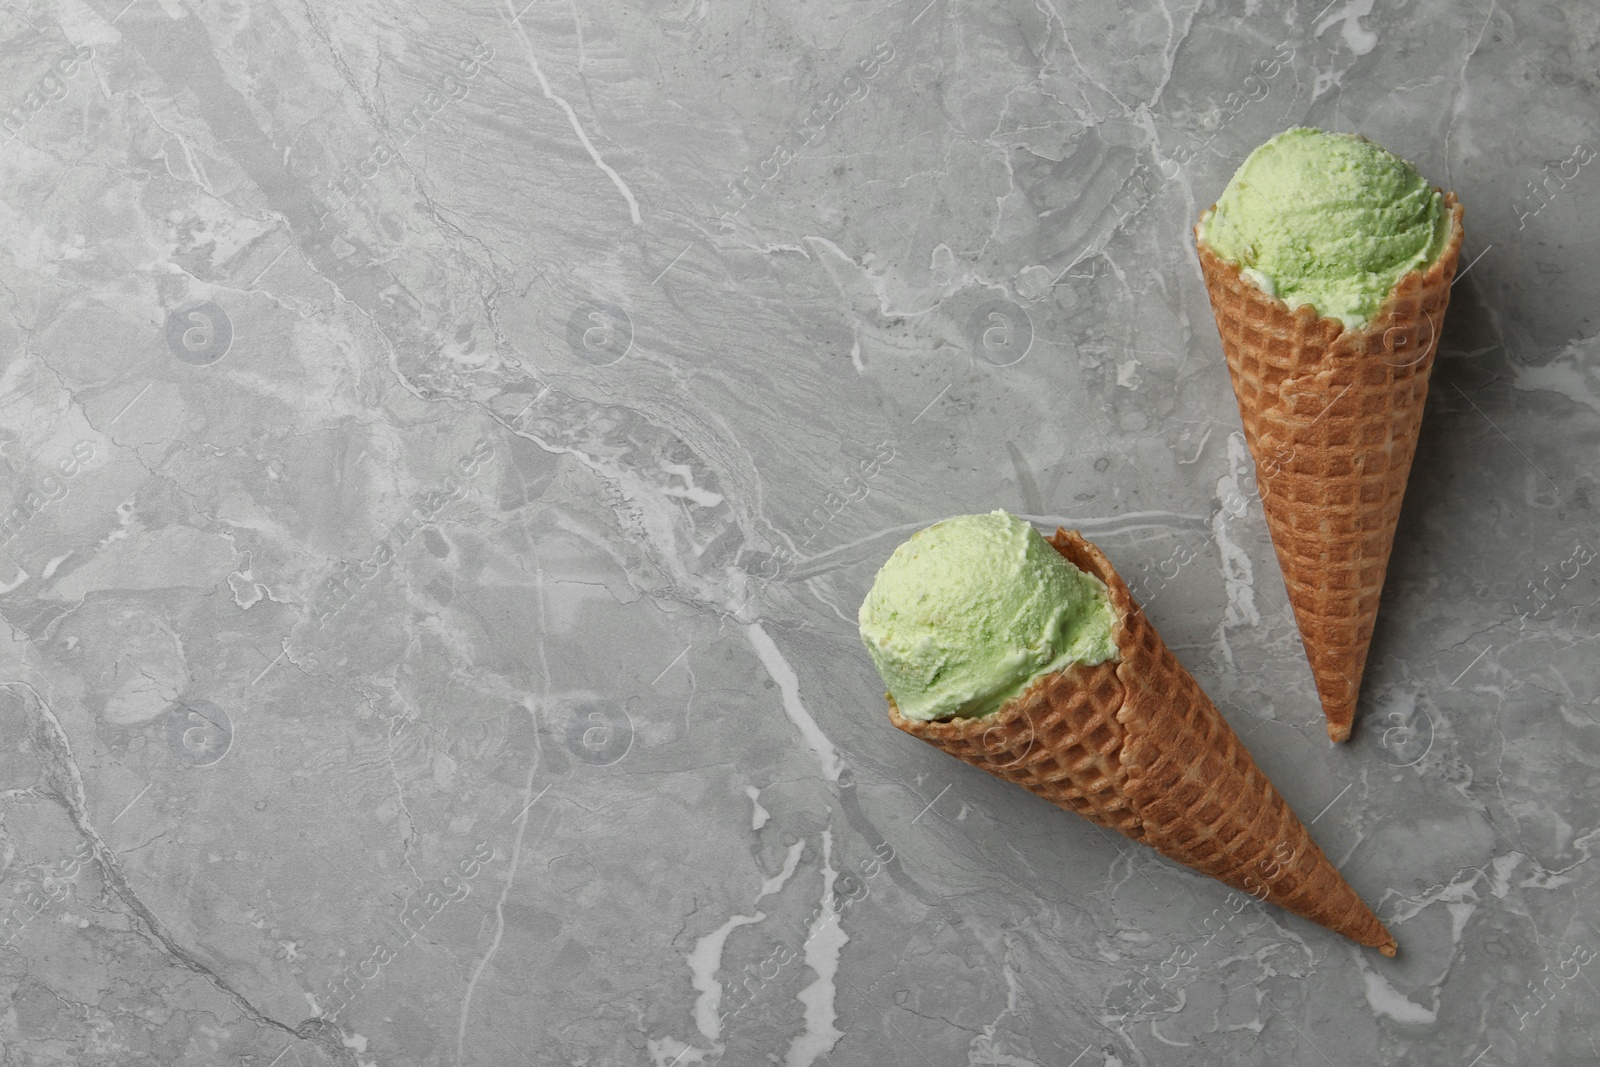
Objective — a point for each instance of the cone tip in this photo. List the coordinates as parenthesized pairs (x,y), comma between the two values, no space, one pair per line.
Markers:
(1389,949)
(1338,732)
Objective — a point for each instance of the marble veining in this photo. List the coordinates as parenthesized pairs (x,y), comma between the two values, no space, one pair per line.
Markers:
(447,444)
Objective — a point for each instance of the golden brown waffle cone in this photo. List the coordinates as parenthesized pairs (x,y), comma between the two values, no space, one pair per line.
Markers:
(1331,416)
(1134,745)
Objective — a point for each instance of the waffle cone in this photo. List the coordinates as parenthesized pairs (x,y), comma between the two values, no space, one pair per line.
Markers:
(1135,745)
(1331,416)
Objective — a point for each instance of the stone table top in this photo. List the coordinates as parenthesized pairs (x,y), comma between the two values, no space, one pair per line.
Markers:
(448,445)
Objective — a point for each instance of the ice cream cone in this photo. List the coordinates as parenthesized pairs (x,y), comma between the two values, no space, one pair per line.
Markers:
(1134,745)
(1331,415)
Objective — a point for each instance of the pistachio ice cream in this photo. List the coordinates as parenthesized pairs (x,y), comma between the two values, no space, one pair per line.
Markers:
(1327,219)
(968,612)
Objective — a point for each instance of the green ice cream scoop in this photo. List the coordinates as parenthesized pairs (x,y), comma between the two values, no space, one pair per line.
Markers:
(1327,219)
(968,612)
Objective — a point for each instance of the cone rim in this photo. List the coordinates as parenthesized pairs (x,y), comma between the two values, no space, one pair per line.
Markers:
(1086,556)
(1443,264)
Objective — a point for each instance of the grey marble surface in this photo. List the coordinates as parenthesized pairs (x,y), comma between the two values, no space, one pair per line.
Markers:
(446,446)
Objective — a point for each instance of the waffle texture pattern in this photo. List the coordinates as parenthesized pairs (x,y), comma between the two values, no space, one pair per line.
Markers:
(1134,745)
(1331,416)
